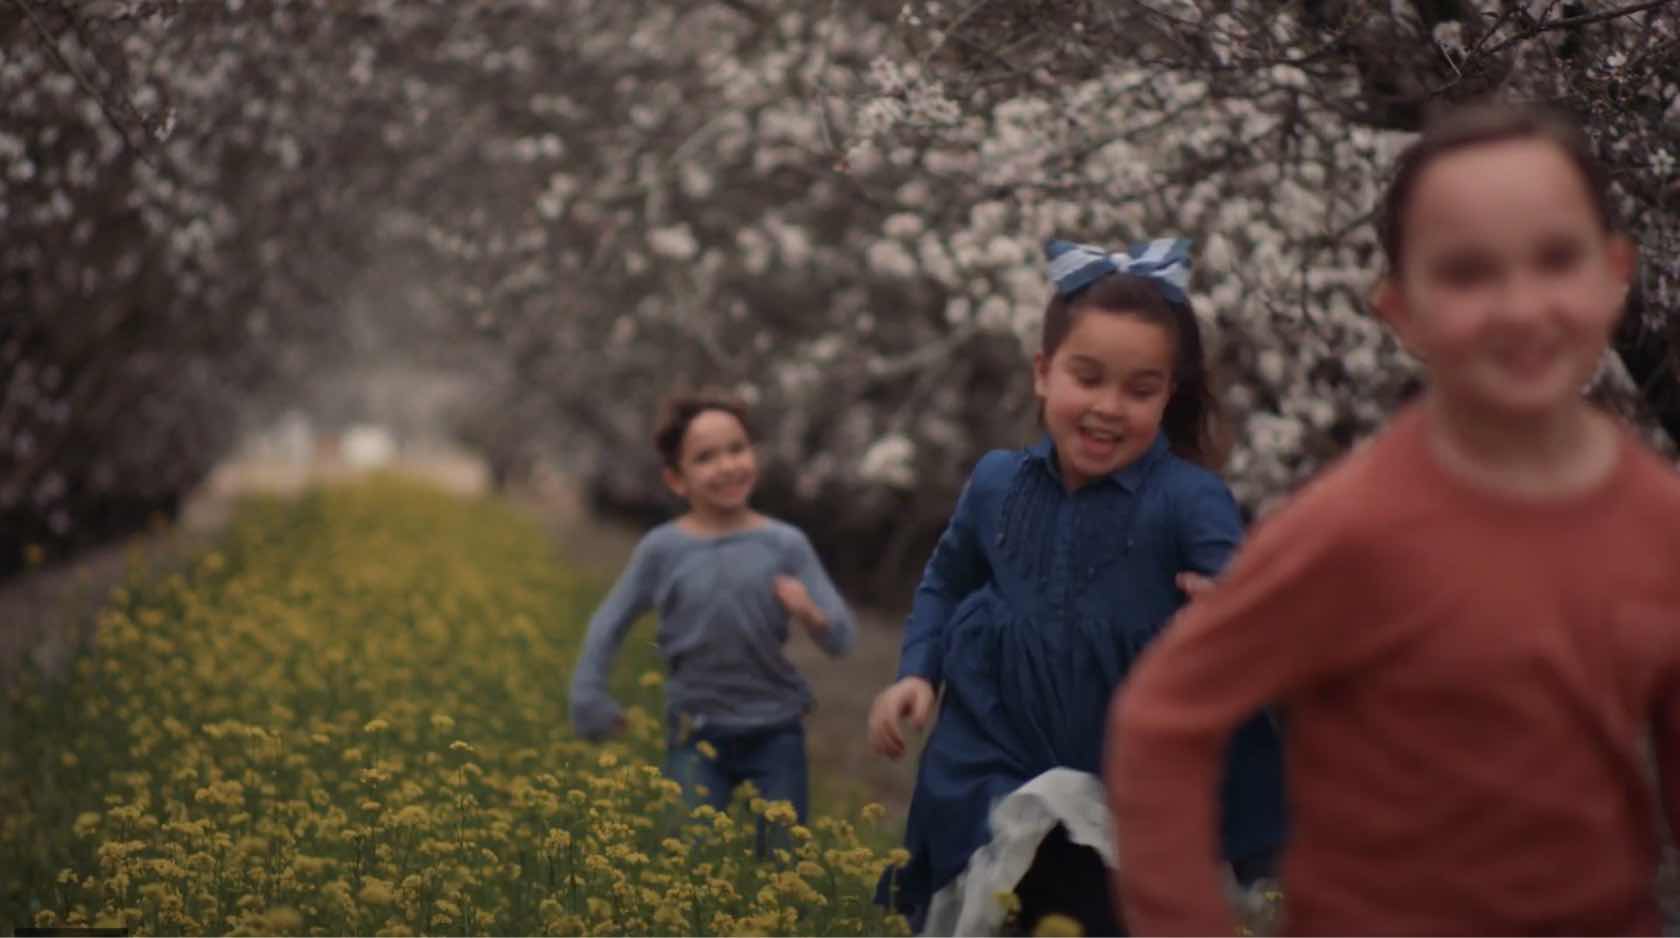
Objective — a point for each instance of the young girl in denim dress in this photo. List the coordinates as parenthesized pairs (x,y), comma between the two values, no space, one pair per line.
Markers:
(1060,563)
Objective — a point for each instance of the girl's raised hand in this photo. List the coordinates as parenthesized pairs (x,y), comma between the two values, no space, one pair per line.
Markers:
(909,699)
(796,599)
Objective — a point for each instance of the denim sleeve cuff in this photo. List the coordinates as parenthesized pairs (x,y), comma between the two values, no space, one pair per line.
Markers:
(919,664)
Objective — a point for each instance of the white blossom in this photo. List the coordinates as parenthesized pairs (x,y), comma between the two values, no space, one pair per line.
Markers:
(676,242)
(890,461)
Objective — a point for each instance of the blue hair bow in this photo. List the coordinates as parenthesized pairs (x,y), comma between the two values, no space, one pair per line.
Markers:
(1073,266)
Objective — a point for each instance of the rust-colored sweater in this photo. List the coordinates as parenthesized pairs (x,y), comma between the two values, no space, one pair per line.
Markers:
(1465,681)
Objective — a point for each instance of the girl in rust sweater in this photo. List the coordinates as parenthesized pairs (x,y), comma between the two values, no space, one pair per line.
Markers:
(1470,624)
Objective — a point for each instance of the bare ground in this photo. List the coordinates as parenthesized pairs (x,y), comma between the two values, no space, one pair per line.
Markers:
(45,616)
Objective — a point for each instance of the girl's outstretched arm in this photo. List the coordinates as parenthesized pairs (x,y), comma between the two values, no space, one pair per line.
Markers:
(594,713)
(1665,731)
(1276,622)
(958,567)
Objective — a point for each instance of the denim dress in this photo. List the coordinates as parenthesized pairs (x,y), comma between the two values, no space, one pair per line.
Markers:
(1034,605)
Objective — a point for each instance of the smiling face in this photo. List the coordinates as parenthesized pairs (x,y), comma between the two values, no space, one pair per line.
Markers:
(1509,284)
(1104,389)
(716,467)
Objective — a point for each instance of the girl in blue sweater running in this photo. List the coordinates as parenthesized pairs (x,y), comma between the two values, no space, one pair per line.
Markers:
(1059,564)
(727,582)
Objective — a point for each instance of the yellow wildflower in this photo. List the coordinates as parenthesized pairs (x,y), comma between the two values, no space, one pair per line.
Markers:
(282,920)
(1057,926)
(376,891)
(86,823)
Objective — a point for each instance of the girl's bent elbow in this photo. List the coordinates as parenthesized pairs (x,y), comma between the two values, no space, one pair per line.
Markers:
(1120,707)
(845,636)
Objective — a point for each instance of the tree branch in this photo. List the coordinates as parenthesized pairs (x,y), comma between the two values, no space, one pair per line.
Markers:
(1582,20)
(87,86)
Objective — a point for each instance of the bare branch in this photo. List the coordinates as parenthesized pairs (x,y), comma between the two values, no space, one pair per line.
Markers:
(87,86)
(1583,19)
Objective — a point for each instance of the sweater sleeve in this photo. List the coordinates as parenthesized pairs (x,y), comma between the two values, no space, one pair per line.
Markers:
(593,710)
(808,570)
(1261,634)
(958,567)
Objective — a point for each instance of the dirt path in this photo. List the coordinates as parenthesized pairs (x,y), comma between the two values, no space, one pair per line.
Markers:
(47,615)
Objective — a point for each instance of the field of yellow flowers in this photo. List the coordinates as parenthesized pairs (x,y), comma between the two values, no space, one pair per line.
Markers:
(350,719)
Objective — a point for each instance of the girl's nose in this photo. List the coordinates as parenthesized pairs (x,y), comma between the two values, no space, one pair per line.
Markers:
(1523,300)
(1111,403)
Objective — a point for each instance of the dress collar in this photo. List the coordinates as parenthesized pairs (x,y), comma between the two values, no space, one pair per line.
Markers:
(1128,477)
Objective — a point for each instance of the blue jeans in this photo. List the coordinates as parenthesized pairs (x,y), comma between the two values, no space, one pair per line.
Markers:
(772,758)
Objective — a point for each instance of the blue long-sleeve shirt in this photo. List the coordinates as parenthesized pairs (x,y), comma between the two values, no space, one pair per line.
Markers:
(721,627)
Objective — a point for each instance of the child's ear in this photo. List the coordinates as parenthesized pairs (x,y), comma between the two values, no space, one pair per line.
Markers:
(1041,373)
(674,482)
(1389,301)
(1623,255)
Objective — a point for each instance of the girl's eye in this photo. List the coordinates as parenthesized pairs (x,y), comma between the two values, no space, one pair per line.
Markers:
(1560,257)
(1146,390)
(1087,379)
(1464,271)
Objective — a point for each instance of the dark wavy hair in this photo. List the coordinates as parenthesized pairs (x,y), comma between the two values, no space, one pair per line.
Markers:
(680,409)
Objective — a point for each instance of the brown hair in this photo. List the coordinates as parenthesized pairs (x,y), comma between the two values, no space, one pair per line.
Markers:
(1476,125)
(680,409)
(1193,422)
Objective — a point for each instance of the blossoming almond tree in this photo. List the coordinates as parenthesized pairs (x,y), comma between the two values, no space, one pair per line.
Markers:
(834,209)
(1265,131)
(854,241)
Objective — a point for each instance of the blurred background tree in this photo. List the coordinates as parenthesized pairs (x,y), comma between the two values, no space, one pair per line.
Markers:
(213,211)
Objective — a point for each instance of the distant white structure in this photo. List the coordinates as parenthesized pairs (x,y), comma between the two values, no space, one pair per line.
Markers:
(368,446)
(293,440)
